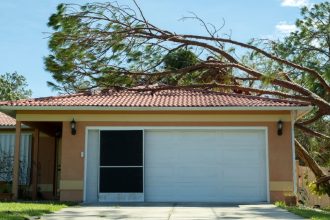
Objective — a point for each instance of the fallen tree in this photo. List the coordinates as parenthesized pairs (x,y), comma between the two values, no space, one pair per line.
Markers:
(104,45)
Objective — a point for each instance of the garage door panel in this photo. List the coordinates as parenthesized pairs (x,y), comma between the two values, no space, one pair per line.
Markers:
(185,172)
(246,134)
(239,174)
(250,156)
(205,166)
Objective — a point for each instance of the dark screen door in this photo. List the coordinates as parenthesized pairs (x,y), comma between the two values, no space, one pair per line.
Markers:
(121,161)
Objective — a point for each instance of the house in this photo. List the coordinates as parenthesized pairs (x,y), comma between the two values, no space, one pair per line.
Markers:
(165,146)
(45,162)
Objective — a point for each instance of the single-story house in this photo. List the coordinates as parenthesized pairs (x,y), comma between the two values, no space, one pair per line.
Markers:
(164,146)
(45,161)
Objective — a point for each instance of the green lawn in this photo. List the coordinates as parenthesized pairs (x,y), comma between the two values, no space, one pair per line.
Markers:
(23,210)
(327,209)
(306,212)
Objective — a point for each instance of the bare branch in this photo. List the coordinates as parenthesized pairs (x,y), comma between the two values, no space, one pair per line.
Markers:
(311,132)
(318,116)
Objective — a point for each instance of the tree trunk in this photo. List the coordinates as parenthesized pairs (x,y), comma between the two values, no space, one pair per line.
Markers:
(321,177)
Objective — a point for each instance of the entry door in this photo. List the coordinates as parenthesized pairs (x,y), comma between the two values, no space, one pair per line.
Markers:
(121,165)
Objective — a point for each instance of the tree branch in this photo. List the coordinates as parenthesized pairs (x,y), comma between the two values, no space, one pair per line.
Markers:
(311,132)
(314,73)
(308,160)
(216,85)
(312,120)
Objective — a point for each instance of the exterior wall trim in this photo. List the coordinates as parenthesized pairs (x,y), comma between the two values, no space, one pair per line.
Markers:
(85,164)
(71,185)
(156,117)
(261,128)
(281,186)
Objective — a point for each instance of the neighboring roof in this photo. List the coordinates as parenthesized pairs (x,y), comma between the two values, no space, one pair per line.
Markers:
(162,98)
(6,120)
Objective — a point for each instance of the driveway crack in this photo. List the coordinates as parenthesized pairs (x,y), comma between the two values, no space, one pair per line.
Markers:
(171,211)
(214,212)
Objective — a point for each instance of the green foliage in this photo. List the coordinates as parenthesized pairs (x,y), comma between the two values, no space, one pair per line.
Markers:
(309,46)
(180,58)
(13,87)
(88,50)
(280,204)
(317,190)
(92,46)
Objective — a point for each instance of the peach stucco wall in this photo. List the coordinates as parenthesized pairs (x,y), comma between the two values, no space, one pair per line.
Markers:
(279,149)
(46,166)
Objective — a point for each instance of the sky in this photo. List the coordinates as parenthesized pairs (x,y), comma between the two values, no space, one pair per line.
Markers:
(24,32)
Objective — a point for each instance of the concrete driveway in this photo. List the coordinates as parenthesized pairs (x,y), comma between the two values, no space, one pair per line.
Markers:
(180,211)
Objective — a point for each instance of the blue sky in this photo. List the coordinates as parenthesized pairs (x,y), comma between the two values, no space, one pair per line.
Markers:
(23,29)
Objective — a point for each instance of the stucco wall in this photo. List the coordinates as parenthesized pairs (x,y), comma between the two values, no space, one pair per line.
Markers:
(72,163)
(46,162)
(279,149)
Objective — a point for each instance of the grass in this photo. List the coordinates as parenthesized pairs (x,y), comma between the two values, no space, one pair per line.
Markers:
(24,210)
(306,212)
(326,209)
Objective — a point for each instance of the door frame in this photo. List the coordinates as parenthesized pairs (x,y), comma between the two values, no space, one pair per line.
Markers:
(146,128)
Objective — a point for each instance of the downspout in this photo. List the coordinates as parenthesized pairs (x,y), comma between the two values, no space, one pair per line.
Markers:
(294,168)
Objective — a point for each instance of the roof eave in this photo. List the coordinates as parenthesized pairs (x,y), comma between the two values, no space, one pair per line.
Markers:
(4,127)
(302,109)
(12,127)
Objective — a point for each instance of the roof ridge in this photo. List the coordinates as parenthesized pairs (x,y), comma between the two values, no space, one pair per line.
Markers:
(53,97)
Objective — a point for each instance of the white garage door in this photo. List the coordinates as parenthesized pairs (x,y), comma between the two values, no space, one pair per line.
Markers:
(205,166)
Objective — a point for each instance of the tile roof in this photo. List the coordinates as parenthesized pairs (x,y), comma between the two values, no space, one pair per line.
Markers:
(162,98)
(6,120)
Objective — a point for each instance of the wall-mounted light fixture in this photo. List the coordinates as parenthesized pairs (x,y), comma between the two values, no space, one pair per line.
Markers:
(279,128)
(73,127)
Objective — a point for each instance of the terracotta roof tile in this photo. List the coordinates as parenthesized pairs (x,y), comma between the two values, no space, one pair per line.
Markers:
(164,98)
(6,120)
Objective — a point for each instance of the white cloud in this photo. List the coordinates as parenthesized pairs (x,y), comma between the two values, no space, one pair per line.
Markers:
(285,28)
(282,29)
(295,3)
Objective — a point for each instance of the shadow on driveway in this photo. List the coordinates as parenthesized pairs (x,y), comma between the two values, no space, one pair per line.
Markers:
(171,211)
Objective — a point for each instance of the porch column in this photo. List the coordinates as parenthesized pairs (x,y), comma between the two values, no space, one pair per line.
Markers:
(35,163)
(16,160)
